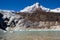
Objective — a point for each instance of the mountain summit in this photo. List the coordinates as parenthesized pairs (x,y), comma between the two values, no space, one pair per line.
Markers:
(31,8)
(35,6)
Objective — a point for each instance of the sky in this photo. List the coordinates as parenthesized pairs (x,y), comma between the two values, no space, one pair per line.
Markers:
(18,5)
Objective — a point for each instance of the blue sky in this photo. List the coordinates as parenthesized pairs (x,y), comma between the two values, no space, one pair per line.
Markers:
(20,4)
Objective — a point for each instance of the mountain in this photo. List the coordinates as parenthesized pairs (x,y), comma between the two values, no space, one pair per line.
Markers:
(30,8)
(36,6)
(34,16)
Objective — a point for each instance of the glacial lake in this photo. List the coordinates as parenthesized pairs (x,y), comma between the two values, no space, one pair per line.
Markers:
(30,35)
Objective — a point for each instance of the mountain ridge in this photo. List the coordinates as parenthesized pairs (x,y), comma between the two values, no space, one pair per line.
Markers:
(33,7)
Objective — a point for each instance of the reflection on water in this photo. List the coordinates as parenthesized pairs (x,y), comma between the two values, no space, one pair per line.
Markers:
(30,35)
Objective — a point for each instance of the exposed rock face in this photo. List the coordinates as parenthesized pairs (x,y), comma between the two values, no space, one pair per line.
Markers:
(34,21)
(38,19)
(42,19)
(2,23)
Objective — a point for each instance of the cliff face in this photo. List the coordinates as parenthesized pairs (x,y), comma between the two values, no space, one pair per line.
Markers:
(42,19)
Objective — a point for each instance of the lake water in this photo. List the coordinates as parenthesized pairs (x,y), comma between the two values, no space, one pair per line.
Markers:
(30,35)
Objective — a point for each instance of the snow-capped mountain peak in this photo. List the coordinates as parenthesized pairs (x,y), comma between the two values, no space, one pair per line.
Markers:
(30,8)
(37,5)
(33,7)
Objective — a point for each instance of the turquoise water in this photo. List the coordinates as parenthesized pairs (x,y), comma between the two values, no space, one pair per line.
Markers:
(30,35)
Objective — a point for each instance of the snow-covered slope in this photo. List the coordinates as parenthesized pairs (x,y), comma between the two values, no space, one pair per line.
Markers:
(33,7)
(44,9)
(7,13)
(57,10)
(30,8)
